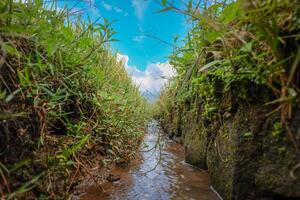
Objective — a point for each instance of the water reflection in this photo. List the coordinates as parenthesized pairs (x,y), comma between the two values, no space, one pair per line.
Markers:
(161,174)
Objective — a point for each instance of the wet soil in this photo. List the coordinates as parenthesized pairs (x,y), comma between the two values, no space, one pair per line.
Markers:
(159,174)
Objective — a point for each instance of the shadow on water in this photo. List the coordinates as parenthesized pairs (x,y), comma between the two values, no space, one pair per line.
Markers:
(161,174)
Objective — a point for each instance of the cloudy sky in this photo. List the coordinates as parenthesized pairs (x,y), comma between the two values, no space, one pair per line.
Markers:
(145,58)
(150,80)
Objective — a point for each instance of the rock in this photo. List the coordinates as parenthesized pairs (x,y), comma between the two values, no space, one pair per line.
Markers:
(194,141)
(244,158)
(112,178)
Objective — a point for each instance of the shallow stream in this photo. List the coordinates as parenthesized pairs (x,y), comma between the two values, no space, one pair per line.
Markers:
(161,174)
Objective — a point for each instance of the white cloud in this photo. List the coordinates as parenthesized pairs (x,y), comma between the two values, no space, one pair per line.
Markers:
(107,6)
(118,10)
(110,7)
(152,79)
(140,7)
(141,36)
(138,38)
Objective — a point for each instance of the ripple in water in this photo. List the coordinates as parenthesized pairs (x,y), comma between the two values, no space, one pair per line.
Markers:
(161,174)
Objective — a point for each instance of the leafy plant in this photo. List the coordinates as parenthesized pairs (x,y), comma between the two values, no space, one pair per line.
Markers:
(234,44)
(63,93)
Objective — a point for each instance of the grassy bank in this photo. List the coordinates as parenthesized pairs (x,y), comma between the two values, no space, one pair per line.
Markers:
(66,104)
(236,47)
(234,103)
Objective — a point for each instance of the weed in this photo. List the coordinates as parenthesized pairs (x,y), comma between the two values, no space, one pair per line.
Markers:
(235,46)
(63,95)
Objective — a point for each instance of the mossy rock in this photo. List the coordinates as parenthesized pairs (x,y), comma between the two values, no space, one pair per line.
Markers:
(275,173)
(195,142)
(220,161)
(245,158)
(245,161)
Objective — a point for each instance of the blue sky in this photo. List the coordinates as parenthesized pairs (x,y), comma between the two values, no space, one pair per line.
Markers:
(134,18)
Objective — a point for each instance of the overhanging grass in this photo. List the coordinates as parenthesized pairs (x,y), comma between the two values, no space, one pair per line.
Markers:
(64,99)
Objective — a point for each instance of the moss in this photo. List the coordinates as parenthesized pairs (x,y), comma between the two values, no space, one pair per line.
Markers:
(277,160)
(277,130)
(253,154)
(248,134)
(195,143)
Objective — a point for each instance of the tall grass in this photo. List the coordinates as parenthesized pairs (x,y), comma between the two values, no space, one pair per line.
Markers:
(237,45)
(63,95)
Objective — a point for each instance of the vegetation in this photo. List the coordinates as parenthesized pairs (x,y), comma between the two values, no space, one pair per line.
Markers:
(236,47)
(234,103)
(66,104)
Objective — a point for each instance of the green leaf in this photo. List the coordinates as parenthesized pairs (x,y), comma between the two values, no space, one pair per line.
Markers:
(215,7)
(19,165)
(48,92)
(24,77)
(164,2)
(248,134)
(230,12)
(247,47)
(12,95)
(69,151)
(208,65)
(176,38)
(165,9)
(190,5)
(10,49)
(8,116)
(27,186)
(2,94)
(212,36)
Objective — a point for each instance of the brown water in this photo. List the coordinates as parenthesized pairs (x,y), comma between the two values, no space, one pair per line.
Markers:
(161,174)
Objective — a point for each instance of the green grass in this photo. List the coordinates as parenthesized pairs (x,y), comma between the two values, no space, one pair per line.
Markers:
(63,95)
(233,47)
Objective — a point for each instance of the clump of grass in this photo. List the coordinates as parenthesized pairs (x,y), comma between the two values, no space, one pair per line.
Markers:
(245,51)
(235,47)
(239,54)
(65,99)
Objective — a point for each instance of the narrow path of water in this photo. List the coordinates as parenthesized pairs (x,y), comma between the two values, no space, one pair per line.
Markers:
(161,174)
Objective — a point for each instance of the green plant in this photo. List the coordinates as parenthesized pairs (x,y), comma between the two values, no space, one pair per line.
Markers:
(63,94)
(234,46)
(277,130)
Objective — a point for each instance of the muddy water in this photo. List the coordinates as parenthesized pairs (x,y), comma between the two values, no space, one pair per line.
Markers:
(161,174)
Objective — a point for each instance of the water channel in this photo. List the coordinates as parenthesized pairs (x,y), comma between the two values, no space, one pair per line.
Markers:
(160,174)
